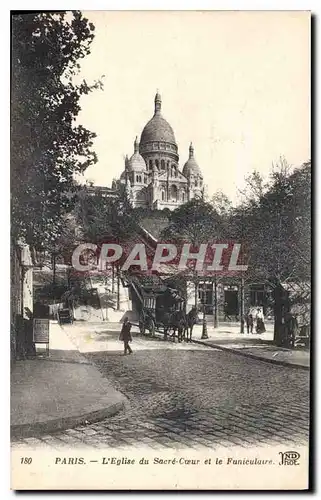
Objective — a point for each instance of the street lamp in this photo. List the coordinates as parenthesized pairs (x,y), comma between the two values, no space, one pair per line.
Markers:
(204,326)
(215,303)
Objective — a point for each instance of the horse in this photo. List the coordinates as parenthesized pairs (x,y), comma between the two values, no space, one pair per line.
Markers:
(179,323)
(191,319)
(167,321)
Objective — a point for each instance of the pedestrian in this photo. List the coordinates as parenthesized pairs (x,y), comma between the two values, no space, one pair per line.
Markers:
(260,327)
(249,322)
(291,328)
(226,312)
(125,335)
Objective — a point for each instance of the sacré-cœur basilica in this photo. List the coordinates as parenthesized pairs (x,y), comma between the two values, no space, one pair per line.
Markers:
(152,177)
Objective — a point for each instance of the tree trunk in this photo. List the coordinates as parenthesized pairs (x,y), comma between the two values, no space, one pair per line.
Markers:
(118,288)
(196,291)
(281,308)
(113,279)
(242,316)
(54,276)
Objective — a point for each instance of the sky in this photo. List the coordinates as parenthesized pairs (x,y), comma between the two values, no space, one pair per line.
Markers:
(236,84)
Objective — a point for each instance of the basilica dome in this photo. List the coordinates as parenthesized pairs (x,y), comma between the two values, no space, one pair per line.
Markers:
(136,162)
(191,166)
(157,129)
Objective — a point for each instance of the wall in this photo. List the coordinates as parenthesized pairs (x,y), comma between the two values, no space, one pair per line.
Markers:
(21,294)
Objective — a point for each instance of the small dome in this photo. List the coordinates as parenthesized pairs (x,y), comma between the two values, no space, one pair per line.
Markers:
(191,166)
(136,162)
(157,129)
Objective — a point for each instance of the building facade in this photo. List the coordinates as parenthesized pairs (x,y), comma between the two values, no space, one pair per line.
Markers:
(152,177)
(21,288)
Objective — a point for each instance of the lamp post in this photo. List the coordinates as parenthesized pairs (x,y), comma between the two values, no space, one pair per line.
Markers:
(54,277)
(215,303)
(204,326)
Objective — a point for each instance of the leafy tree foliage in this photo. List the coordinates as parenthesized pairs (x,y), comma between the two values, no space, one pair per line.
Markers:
(47,148)
(272,222)
(195,222)
(106,219)
(275,225)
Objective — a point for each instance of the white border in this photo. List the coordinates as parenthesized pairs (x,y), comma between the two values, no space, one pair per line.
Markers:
(314,6)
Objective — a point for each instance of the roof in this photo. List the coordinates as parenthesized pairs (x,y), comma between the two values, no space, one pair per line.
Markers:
(157,129)
(136,163)
(191,166)
(154,225)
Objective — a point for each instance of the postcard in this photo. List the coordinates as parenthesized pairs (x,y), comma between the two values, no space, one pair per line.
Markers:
(160,250)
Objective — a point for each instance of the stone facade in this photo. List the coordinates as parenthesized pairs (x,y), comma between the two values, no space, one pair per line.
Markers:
(152,177)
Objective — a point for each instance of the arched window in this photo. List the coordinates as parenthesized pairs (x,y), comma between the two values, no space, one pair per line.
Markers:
(168,164)
(157,163)
(183,195)
(163,164)
(174,192)
(195,182)
(150,164)
(163,195)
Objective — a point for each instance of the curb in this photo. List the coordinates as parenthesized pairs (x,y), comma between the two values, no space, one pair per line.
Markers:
(60,424)
(252,356)
(35,429)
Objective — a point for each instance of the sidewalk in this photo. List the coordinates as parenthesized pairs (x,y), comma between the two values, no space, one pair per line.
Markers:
(257,346)
(92,337)
(59,391)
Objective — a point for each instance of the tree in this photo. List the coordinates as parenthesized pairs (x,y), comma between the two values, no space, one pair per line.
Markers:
(255,187)
(195,222)
(275,223)
(224,208)
(47,148)
(221,203)
(104,220)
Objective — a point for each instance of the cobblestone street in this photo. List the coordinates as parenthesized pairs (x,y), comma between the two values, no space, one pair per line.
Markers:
(191,395)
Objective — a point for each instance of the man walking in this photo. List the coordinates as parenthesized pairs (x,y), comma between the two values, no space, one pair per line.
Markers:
(249,322)
(226,312)
(125,335)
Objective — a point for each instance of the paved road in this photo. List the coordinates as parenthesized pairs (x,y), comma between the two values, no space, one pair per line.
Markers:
(190,395)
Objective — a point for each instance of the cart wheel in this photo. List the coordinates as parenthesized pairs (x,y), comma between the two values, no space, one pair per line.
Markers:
(152,328)
(142,328)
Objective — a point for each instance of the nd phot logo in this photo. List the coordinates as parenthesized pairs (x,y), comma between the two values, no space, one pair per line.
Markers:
(289,458)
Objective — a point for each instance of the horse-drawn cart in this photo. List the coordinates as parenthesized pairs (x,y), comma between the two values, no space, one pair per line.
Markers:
(160,310)
(157,303)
